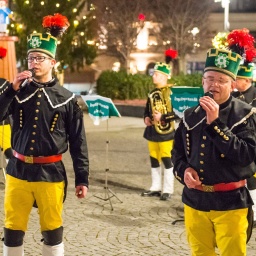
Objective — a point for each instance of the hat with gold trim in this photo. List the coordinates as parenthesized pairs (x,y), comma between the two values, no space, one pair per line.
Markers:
(227,60)
(246,69)
(46,42)
(162,68)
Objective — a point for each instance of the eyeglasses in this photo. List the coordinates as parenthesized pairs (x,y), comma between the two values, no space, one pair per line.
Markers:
(211,80)
(37,58)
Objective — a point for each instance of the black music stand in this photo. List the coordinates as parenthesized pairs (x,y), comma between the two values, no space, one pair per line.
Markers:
(102,108)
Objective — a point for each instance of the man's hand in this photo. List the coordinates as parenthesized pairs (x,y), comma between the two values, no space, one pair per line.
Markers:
(81,191)
(211,108)
(19,79)
(191,178)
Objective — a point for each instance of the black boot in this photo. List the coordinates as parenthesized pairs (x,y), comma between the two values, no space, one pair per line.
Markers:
(151,193)
(165,196)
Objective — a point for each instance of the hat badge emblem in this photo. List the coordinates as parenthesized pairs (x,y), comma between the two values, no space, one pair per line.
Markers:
(221,61)
(35,42)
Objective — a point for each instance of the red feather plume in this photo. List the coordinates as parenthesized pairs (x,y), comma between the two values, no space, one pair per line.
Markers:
(3,52)
(47,21)
(250,54)
(55,25)
(239,40)
(171,53)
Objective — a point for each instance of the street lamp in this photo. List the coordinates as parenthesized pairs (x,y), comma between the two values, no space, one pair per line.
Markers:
(194,32)
(225,5)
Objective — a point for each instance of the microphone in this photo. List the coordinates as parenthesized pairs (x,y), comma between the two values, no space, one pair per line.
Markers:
(196,110)
(26,80)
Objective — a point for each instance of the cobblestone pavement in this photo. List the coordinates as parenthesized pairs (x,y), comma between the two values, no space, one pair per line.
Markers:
(136,225)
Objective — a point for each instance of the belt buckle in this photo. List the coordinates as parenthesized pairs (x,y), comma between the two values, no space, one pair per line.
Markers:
(207,188)
(28,159)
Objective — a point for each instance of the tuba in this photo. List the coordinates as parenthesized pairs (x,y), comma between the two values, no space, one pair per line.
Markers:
(160,101)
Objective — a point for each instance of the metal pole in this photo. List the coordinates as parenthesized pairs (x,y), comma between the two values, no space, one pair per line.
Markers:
(225,5)
(108,192)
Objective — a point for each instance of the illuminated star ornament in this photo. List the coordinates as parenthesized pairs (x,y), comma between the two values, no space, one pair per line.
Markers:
(3,52)
(170,54)
(55,25)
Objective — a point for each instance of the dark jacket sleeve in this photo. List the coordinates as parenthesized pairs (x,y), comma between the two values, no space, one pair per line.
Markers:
(147,111)
(6,97)
(78,145)
(178,155)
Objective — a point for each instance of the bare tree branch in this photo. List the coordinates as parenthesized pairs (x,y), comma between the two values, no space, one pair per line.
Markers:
(173,22)
(120,20)
(178,18)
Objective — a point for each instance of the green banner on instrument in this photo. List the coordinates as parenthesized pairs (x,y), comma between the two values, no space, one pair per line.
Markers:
(100,108)
(185,97)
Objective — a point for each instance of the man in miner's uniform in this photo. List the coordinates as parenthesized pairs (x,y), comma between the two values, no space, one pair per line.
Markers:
(46,121)
(213,155)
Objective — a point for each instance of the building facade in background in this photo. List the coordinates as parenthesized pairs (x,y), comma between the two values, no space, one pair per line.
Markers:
(242,14)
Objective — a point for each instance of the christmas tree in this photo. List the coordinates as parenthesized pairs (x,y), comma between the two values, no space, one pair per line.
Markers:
(77,47)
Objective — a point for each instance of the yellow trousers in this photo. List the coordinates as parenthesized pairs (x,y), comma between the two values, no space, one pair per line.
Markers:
(159,150)
(5,136)
(223,229)
(19,199)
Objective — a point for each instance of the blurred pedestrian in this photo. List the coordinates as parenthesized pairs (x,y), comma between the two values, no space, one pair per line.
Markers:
(213,155)
(47,120)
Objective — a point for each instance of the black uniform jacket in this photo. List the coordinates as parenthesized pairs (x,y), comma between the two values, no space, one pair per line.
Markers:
(249,96)
(46,121)
(221,152)
(150,132)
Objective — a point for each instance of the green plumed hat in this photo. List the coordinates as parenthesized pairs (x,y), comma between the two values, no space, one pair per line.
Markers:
(44,43)
(223,61)
(227,60)
(162,68)
(246,68)
(245,71)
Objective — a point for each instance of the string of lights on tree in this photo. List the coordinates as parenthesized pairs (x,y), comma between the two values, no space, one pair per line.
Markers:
(79,35)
